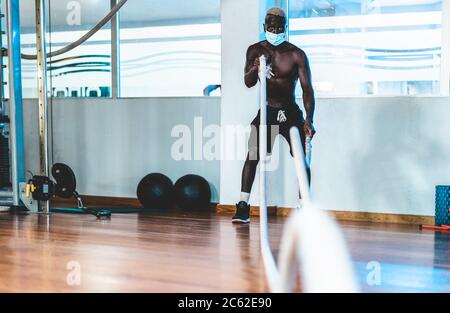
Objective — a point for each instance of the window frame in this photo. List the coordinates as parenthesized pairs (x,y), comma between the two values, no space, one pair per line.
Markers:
(444,77)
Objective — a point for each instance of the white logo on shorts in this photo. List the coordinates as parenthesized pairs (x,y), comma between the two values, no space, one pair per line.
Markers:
(281,116)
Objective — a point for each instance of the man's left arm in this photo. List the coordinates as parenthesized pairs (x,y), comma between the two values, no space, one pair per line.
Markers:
(304,75)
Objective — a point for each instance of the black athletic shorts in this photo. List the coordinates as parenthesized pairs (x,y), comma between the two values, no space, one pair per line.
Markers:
(283,120)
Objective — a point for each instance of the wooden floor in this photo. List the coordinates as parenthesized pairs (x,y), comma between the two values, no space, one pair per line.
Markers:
(196,253)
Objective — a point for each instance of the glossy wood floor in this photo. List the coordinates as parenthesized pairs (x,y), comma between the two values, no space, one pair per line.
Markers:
(196,253)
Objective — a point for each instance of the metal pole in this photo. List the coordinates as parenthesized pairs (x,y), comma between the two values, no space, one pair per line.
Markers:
(15,98)
(42,94)
(2,80)
(115,53)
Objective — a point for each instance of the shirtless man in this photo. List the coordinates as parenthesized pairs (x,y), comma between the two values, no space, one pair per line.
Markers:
(286,64)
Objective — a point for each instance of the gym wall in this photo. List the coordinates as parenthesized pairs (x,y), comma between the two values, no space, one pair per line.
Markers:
(112,144)
(382,155)
(370,154)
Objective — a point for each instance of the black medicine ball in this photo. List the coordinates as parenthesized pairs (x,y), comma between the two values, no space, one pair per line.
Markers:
(192,192)
(155,191)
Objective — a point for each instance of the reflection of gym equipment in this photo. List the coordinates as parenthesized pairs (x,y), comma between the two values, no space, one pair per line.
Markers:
(83,38)
(210,88)
(19,187)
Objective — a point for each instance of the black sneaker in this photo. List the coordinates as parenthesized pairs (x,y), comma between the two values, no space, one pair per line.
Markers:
(242,213)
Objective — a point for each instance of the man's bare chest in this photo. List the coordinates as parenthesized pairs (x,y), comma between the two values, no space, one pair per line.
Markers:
(282,65)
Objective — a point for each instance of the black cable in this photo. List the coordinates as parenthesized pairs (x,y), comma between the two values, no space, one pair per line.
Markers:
(99,213)
(86,36)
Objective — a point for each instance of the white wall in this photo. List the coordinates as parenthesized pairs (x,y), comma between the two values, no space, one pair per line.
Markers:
(240,28)
(112,144)
(381,154)
(369,154)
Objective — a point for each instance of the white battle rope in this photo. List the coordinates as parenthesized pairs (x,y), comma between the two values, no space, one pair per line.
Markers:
(312,242)
(269,262)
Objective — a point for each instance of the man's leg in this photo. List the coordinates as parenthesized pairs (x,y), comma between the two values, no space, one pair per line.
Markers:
(248,176)
(251,163)
(248,173)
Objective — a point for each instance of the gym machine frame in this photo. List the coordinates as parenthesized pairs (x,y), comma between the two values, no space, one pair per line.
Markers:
(17,196)
(16,133)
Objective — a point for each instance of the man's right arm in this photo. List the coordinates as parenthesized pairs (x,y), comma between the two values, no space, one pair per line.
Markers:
(251,67)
